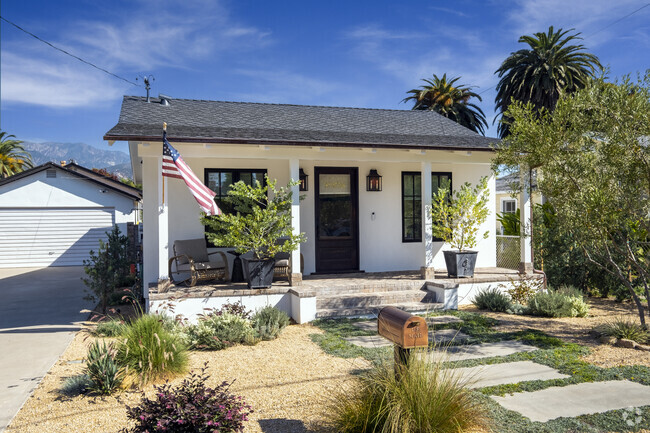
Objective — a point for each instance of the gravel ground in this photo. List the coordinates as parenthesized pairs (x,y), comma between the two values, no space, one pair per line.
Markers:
(578,330)
(288,382)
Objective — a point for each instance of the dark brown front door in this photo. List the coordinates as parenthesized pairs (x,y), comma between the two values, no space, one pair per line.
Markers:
(337,219)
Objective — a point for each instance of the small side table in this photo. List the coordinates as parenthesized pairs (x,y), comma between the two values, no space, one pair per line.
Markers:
(237,275)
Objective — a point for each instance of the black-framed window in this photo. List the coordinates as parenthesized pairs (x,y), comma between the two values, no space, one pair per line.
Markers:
(412,202)
(219,180)
(411,206)
(440,179)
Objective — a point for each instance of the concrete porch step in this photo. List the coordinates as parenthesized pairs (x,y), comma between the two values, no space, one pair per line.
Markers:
(373,311)
(363,300)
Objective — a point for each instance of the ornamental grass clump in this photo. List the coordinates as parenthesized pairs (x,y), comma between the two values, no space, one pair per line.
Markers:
(149,352)
(426,398)
(492,299)
(625,328)
(191,407)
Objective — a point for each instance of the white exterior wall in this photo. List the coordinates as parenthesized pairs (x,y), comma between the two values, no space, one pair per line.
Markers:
(380,243)
(65,191)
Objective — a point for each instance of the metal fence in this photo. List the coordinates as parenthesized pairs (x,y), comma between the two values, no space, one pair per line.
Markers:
(508,248)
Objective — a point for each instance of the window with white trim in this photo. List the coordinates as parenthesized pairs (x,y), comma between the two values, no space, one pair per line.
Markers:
(509,206)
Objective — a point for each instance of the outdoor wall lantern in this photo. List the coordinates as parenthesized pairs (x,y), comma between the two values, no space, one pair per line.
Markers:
(373,181)
(303,180)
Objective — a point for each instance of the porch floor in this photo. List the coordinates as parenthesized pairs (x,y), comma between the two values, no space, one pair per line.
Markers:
(314,285)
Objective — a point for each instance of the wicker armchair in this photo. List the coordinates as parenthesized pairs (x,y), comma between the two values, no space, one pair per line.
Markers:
(191,257)
(283,264)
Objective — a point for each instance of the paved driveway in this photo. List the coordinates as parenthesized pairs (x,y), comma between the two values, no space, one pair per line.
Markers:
(39,312)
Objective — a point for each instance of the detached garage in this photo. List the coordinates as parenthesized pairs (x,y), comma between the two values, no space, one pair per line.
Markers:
(53,215)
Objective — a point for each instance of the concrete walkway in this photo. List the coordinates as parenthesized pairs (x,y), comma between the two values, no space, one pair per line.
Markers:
(39,315)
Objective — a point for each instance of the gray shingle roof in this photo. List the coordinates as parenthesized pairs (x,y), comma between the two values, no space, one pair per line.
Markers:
(243,122)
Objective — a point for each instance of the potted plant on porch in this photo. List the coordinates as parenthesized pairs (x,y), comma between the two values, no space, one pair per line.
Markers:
(456,219)
(260,223)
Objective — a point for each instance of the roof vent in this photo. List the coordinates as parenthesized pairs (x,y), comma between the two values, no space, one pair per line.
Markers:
(164,99)
(50,173)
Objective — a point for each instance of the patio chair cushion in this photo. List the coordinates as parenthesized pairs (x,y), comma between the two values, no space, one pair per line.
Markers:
(215,263)
(194,248)
(281,262)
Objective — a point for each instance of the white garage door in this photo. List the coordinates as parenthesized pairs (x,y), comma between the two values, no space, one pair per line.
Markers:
(52,236)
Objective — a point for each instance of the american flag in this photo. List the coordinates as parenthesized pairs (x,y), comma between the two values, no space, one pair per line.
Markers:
(174,166)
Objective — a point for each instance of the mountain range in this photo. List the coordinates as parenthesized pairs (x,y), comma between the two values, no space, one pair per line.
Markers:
(114,161)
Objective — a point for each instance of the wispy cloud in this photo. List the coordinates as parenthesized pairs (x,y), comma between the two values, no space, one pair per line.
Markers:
(586,16)
(126,42)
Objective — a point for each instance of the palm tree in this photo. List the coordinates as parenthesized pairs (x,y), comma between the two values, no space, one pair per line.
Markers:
(450,100)
(542,74)
(13,156)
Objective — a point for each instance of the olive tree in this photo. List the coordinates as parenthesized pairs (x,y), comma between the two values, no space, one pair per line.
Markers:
(593,157)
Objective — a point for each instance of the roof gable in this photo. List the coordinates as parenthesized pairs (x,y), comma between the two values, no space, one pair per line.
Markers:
(81,172)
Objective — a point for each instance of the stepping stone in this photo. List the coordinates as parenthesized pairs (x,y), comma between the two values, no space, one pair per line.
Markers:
(576,400)
(485,350)
(367,326)
(369,341)
(440,320)
(509,372)
(447,335)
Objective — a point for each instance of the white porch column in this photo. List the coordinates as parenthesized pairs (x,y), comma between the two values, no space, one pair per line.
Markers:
(525,250)
(150,218)
(294,173)
(426,270)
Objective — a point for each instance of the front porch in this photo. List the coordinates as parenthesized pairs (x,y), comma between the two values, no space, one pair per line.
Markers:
(341,295)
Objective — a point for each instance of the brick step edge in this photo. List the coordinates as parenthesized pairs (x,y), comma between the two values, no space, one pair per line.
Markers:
(372,312)
(371,299)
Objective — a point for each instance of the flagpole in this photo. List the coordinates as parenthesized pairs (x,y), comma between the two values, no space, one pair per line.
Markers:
(163,178)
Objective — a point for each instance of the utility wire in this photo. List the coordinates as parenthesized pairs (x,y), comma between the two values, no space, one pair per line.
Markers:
(69,54)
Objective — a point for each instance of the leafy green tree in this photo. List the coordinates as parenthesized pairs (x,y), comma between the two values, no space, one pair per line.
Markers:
(457,217)
(13,156)
(108,268)
(541,74)
(594,156)
(451,100)
(260,223)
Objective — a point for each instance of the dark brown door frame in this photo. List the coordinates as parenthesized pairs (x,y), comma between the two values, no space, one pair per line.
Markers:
(354,193)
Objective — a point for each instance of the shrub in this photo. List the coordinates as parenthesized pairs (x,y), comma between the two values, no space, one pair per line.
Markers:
(219,330)
(269,322)
(110,328)
(523,289)
(102,368)
(236,308)
(108,268)
(75,385)
(426,398)
(625,328)
(151,352)
(565,302)
(190,407)
(517,309)
(492,300)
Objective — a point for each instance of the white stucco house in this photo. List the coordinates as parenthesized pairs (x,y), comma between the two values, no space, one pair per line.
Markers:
(53,215)
(349,226)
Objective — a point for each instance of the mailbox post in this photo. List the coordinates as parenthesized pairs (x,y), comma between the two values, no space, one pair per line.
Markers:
(405,330)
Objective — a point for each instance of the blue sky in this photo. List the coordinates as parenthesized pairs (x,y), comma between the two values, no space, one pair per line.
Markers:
(343,53)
